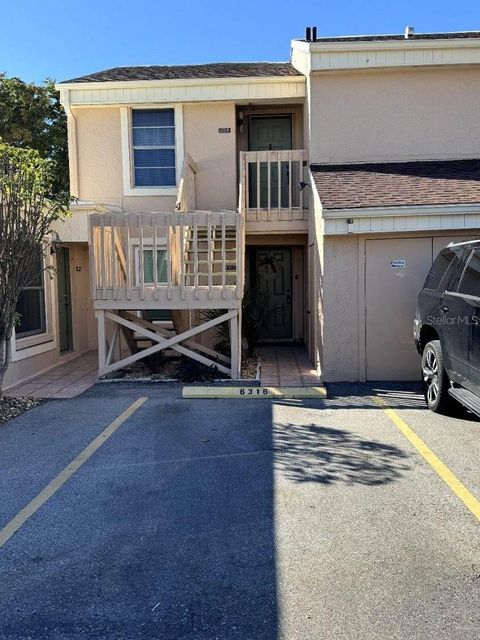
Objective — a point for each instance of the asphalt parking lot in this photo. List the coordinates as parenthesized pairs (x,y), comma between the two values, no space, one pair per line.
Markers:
(248,519)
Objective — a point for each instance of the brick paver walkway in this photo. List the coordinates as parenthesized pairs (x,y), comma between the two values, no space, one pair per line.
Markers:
(65,381)
(287,366)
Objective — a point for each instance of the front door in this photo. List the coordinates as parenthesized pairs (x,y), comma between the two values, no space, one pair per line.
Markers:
(64,299)
(272,274)
(267,133)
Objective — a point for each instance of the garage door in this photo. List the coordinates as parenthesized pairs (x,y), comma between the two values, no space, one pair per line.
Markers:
(395,271)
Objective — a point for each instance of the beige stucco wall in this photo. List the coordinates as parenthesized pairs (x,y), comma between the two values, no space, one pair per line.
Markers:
(99,157)
(339,285)
(395,115)
(333,337)
(214,153)
(99,153)
(83,317)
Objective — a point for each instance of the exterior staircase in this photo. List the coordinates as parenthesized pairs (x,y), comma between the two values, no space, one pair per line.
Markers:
(210,246)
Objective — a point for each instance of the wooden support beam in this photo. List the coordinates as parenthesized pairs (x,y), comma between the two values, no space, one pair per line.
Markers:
(128,336)
(234,347)
(102,340)
(112,350)
(164,343)
(196,346)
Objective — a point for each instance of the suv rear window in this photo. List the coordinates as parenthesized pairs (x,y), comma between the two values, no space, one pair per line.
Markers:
(470,282)
(442,270)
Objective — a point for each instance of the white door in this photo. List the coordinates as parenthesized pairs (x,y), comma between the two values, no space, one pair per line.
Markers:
(395,271)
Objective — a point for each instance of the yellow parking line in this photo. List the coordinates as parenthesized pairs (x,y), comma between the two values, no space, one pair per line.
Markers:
(52,487)
(434,461)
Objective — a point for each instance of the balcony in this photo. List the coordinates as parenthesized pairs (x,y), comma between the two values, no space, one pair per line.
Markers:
(167,260)
(270,185)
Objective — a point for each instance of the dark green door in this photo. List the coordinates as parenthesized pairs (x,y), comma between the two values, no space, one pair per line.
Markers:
(64,299)
(273,275)
(267,134)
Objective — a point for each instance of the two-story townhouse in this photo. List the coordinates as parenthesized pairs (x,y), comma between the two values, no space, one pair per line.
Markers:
(330,182)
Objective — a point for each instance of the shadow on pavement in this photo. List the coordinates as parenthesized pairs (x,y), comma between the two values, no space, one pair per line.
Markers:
(314,453)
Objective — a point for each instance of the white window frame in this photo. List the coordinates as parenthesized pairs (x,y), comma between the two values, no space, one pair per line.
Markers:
(29,346)
(129,188)
(161,246)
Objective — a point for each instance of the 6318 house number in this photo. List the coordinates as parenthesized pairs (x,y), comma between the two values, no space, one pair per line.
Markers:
(254,391)
(224,130)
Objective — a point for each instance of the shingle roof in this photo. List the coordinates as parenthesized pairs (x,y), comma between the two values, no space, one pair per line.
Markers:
(453,35)
(191,71)
(398,184)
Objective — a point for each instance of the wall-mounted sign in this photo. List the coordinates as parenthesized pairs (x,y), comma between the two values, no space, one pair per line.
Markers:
(224,130)
(398,264)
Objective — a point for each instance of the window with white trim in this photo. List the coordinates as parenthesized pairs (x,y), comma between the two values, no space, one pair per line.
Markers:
(153,145)
(148,272)
(31,303)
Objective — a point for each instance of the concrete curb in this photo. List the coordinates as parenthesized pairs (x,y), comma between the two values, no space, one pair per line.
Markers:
(244,392)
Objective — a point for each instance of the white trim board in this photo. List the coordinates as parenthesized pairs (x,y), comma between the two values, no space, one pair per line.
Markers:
(348,54)
(420,210)
(399,219)
(340,226)
(194,90)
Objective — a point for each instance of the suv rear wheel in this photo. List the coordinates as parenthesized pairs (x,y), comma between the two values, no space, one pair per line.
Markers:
(434,378)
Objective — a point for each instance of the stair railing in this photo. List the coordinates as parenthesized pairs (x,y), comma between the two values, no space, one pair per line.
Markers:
(186,198)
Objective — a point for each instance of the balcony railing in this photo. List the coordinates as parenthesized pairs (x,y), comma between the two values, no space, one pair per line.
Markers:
(270,185)
(167,260)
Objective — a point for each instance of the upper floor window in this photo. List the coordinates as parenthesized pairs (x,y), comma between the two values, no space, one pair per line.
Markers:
(153,141)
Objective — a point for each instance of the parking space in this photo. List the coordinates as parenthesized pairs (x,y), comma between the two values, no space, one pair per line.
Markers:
(222,519)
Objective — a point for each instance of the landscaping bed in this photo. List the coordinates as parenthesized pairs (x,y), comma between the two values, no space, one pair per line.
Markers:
(179,369)
(12,407)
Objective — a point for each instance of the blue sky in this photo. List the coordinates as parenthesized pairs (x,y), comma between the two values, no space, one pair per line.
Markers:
(65,38)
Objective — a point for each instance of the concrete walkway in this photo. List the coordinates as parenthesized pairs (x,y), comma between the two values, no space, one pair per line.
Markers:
(68,380)
(287,366)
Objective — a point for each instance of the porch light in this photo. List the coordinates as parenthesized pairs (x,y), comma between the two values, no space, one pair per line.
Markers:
(55,243)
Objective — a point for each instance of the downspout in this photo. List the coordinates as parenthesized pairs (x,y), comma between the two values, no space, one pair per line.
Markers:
(72,142)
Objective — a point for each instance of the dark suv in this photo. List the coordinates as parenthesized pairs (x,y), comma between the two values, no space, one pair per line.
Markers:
(447,328)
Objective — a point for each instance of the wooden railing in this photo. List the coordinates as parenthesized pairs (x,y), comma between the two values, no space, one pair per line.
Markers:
(186,200)
(270,185)
(167,260)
